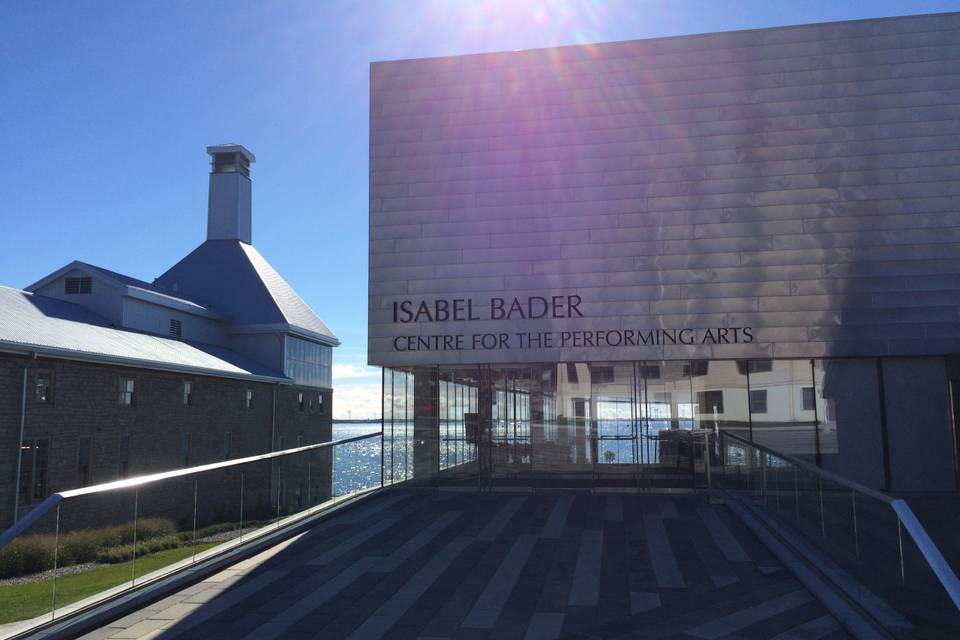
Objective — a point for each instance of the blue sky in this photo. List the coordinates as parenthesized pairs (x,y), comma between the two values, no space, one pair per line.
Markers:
(106,109)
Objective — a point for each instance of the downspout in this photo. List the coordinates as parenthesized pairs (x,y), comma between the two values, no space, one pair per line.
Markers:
(273,419)
(23,422)
(274,473)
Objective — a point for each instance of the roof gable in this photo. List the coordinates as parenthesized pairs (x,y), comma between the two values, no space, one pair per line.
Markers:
(233,279)
(33,322)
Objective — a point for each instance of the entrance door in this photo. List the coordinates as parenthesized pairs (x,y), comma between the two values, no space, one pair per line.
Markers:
(617,424)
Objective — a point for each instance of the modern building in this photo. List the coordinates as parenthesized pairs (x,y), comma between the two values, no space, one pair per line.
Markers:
(103,375)
(579,253)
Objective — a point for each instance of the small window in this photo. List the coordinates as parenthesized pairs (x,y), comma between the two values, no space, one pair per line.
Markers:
(601,375)
(123,456)
(83,462)
(187,394)
(754,366)
(710,402)
(320,403)
(74,286)
(176,327)
(125,394)
(572,372)
(249,399)
(300,400)
(809,402)
(579,408)
(758,401)
(185,449)
(33,470)
(227,444)
(650,371)
(44,387)
(696,368)
(664,397)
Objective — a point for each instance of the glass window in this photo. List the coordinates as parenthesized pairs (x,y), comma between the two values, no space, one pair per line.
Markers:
(781,420)
(187,394)
(125,392)
(755,366)
(308,363)
(710,401)
(849,418)
(650,371)
(74,286)
(758,400)
(398,425)
(727,407)
(809,402)
(920,434)
(248,399)
(600,374)
(300,404)
(44,387)
(33,470)
(697,368)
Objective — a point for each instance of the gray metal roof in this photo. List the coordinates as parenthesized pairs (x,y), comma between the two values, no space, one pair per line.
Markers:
(131,286)
(31,322)
(231,278)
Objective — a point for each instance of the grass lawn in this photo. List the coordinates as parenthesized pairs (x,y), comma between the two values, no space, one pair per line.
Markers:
(20,602)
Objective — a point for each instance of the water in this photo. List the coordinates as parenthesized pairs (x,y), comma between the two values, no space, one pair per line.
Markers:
(356,465)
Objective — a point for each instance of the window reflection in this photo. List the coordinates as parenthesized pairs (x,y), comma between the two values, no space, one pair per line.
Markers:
(575,422)
(308,363)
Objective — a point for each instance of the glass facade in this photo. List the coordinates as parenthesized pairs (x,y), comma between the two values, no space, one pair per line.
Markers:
(308,363)
(885,423)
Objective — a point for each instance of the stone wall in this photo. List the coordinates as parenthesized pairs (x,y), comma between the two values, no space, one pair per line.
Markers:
(85,404)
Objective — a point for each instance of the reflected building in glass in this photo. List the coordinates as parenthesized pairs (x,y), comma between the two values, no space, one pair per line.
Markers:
(579,256)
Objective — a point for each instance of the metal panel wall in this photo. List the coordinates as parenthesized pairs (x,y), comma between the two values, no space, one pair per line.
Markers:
(801,182)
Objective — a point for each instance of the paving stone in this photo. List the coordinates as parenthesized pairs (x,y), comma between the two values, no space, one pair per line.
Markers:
(472,567)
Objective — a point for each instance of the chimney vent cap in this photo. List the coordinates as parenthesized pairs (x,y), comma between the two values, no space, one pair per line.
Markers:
(217,149)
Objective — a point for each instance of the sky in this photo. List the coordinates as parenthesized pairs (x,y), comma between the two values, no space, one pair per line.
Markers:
(106,109)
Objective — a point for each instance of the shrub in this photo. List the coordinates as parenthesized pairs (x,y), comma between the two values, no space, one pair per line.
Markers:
(27,555)
(122,553)
(30,554)
(212,529)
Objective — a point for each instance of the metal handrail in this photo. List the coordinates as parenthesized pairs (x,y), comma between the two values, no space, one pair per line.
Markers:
(850,484)
(927,547)
(53,500)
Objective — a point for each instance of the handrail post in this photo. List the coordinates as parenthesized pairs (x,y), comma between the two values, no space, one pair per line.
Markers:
(823,522)
(763,476)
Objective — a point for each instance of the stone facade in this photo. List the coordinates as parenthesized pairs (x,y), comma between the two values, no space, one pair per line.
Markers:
(84,403)
(800,181)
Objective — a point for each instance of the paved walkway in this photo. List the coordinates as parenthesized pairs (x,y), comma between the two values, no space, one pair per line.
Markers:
(535,566)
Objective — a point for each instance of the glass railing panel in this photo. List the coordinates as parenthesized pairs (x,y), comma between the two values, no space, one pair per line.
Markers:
(870,553)
(922,596)
(356,466)
(29,567)
(98,541)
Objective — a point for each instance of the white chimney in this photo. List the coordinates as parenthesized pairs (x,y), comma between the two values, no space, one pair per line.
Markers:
(228,206)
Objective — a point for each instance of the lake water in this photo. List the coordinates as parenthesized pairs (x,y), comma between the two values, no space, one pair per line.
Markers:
(355,465)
